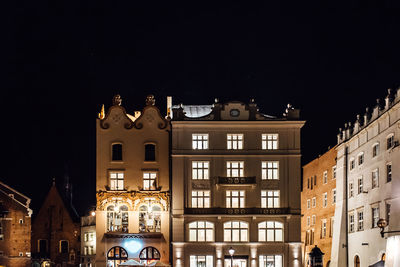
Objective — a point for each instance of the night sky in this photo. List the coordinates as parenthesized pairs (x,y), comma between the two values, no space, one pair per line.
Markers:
(62,59)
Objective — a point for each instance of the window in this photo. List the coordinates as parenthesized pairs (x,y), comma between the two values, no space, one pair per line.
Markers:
(234,141)
(334,196)
(269,170)
(387,213)
(86,237)
(235,198)
(200,170)
(388,172)
(390,142)
(334,172)
(235,168)
(116,256)
(361,159)
(236,231)
(270,199)
(200,141)
(352,164)
(200,199)
(42,246)
(375,178)
(308,183)
(270,260)
(201,261)
(351,190)
(116,152)
(116,180)
(312,182)
(63,246)
(312,237)
(308,203)
(117,218)
(91,236)
(201,231)
(375,150)
(375,216)
(323,228)
(85,251)
(360,220)
(91,250)
(149,152)
(148,255)
(21,221)
(357,261)
(325,199)
(315,180)
(149,218)
(149,181)
(1,231)
(307,241)
(360,185)
(314,202)
(351,222)
(314,219)
(269,141)
(270,231)
(325,177)
(308,221)
(332,224)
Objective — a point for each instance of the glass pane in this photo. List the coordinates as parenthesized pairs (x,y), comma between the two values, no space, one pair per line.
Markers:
(235,235)
(227,235)
(192,235)
(261,235)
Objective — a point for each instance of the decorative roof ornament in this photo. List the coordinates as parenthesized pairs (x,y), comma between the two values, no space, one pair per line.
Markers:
(150,101)
(117,100)
(102,113)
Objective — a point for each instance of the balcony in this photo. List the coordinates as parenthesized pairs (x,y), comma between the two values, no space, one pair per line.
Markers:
(228,181)
(237,211)
(133,235)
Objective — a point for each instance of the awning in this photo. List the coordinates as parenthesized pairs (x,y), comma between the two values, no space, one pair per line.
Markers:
(378,264)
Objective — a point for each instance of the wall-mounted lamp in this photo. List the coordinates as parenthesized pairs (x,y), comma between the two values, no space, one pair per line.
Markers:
(382,223)
(231,252)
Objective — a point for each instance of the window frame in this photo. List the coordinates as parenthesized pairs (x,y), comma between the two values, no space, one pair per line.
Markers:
(263,231)
(241,199)
(375,150)
(234,141)
(202,199)
(266,198)
(149,186)
(375,178)
(270,170)
(240,230)
(230,169)
(147,157)
(360,185)
(268,143)
(389,173)
(60,246)
(360,220)
(112,151)
(193,227)
(202,169)
(200,143)
(117,180)
(325,177)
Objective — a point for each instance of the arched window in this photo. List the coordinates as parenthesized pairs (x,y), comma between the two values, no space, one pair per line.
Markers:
(201,231)
(117,219)
(270,231)
(116,152)
(383,257)
(149,254)
(236,231)
(116,256)
(356,261)
(149,152)
(149,219)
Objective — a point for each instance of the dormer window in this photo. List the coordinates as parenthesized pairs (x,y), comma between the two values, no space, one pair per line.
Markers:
(149,152)
(116,152)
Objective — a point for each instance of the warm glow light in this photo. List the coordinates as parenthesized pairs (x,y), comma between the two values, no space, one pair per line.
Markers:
(231,251)
(133,246)
(93,213)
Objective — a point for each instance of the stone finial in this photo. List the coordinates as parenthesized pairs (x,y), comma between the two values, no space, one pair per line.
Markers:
(216,100)
(358,117)
(150,101)
(117,100)
(252,100)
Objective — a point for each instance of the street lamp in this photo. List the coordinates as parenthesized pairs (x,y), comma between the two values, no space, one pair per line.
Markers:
(231,252)
(382,223)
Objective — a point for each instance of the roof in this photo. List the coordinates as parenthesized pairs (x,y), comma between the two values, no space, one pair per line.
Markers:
(195,111)
(18,197)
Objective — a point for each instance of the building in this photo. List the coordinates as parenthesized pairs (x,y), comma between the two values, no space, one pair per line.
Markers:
(56,230)
(235,186)
(15,228)
(318,199)
(368,187)
(132,185)
(88,240)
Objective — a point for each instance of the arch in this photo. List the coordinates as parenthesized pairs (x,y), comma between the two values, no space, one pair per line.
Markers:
(117,218)
(116,256)
(383,257)
(328,264)
(357,261)
(270,231)
(149,254)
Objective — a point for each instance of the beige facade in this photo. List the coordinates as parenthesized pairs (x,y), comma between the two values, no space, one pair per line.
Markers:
(88,240)
(132,185)
(318,200)
(235,184)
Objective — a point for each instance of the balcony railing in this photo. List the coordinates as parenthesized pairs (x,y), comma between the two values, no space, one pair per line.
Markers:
(237,211)
(133,235)
(222,180)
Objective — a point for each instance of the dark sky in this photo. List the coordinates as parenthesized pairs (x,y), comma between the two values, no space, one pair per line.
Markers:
(63,59)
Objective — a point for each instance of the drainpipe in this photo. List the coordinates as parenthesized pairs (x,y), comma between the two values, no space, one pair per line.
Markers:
(346,159)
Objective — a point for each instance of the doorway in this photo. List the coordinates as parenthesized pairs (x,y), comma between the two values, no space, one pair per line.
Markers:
(236,263)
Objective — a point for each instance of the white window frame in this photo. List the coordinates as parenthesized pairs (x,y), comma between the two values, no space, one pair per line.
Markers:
(325,177)
(150,180)
(270,199)
(201,231)
(375,214)
(375,150)
(389,141)
(234,141)
(117,180)
(270,141)
(199,141)
(375,178)
(360,185)
(270,231)
(325,199)
(351,189)
(235,198)
(314,202)
(334,196)
(323,228)
(200,198)
(201,260)
(360,220)
(313,220)
(270,170)
(308,204)
(233,228)
(360,159)
(200,170)
(334,172)
(351,222)
(235,168)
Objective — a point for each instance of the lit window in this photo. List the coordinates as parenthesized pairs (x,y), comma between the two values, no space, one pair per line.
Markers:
(390,142)
(235,198)
(235,168)
(352,164)
(314,202)
(360,220)
(334,196)
(270,231)
(269,170)
(149,181)
(361,159)
(308,203)
(85,251)
(86,237)
(91,250)
(234,141)
(351,222)
(325,199)
(201,231)
(269,141)
(116,152)
(116,256)
(375,216)
(200,199)
(388,172)
(148,255)
(149,152)
(200,170)
(271,260)
(149,218)
(360,185)
(351,190)
(323,228)
(334,172)
(236,231)
(201,261)
(63,246)
(325,177)
(375,178)
(375,150)
(91,236)
(270,199)
(117,218)
(307,241)
(116,180)
(200,141)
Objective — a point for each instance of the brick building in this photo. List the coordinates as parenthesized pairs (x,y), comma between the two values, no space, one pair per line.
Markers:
(318,199)
(56,230)
(15,228)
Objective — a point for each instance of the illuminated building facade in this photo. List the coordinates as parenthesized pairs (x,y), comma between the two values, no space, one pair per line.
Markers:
(318,199)
(132,185)
(88,240)
(368,187)
(235,186)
